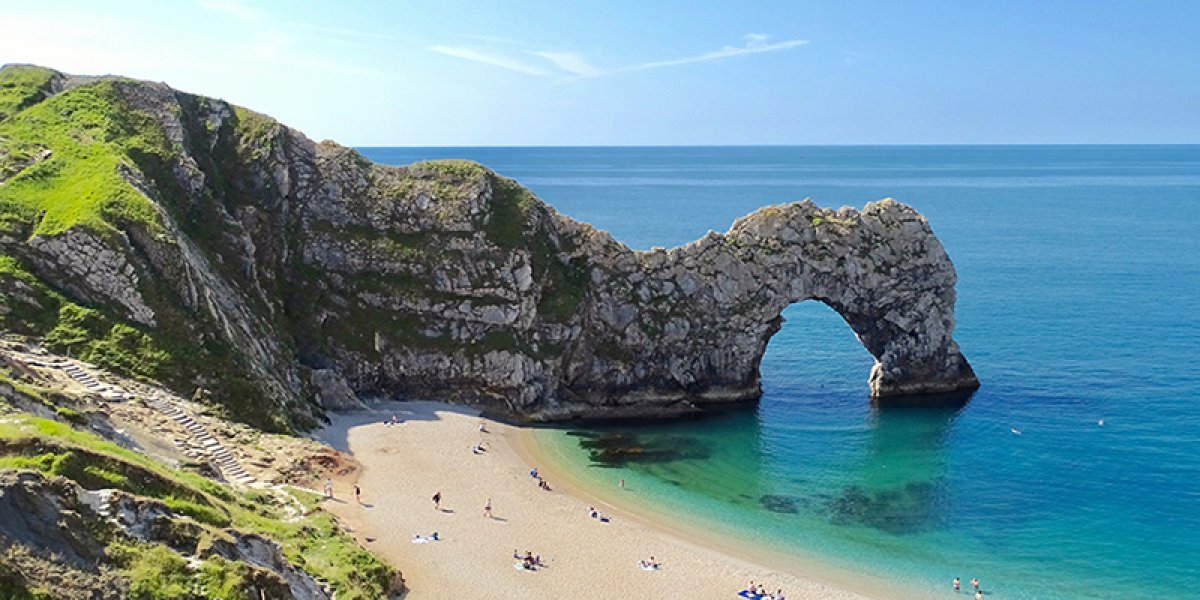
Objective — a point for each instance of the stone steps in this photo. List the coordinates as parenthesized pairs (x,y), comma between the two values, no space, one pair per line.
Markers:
(201,442)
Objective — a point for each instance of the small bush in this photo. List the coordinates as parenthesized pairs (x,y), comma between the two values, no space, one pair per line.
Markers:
(154,571)
(70,416)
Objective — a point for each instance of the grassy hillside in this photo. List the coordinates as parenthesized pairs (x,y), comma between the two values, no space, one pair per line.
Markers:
(74,161)
(73,148)
(207,512)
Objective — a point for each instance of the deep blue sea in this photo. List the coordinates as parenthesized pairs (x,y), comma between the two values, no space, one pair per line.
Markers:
(1078,300)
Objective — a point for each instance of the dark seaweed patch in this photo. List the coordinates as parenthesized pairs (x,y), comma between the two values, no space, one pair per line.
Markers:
(780,504)
(615,449)
(908,509)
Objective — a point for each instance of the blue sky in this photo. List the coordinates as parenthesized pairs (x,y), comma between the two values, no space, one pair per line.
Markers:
(560,72)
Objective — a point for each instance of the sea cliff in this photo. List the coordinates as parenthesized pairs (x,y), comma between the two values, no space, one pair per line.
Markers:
(176,237)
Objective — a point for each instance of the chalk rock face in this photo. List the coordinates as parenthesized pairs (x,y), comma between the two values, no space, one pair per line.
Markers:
(332,391)
(475,291)
(692,323)
(282,256)
(81,262)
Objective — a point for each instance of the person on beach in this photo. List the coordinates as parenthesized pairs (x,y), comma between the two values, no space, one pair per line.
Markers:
(328,488)
(487,508)
(975,583)
(779,594)
(956,584)
(395,421)
(357,494)
(437,501)
(483,427)
(533,472)
(978,595)
(622,484)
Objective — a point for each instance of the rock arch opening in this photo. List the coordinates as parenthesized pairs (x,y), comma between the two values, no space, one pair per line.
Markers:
(690,325)
(813,350)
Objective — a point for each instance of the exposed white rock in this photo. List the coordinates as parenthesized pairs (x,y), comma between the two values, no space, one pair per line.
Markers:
(80,260)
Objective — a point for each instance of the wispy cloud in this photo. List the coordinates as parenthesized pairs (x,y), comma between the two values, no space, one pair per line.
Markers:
(279,48)
(853,58)
(756,43)
(344,32)
(491,39)
(571,63)
(576,67)
(232,8)
(270,45)
(492,59)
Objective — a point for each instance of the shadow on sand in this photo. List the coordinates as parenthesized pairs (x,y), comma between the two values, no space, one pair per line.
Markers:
(379,413)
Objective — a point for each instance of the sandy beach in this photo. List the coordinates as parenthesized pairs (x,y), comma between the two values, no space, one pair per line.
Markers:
(430,451)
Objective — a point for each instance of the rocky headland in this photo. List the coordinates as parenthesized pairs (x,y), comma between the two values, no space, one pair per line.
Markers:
(178,238)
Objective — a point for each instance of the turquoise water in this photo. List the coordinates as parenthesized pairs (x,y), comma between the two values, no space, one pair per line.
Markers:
(1079,300)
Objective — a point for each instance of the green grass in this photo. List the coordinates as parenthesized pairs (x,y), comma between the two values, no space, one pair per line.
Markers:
(22,86)
(511,205)
(91,134)
(154,571)
(564,284)
(83,332)
(157,573)
(453,168)
(314,543)
(255,133)
(170,353)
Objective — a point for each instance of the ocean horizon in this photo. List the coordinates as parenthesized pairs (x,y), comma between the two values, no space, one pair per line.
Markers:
(1073,471)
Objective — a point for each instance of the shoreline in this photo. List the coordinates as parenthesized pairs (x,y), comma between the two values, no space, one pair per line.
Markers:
(430,451)
(726,544)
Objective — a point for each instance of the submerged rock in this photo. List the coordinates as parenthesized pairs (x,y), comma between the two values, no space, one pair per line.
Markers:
(780,504)
(910,508)
(616,449)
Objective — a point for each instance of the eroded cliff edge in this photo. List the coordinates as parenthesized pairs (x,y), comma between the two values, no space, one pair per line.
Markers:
(182,238)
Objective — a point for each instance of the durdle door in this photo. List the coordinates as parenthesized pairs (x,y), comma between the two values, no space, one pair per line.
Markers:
(691,324)
(283,275)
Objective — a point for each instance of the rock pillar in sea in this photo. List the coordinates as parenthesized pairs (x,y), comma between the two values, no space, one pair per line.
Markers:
(690,325)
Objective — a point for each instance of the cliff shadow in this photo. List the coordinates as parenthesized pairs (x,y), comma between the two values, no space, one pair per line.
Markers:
(337,432)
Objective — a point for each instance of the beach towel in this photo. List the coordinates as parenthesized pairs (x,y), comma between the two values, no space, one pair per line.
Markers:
(747,594)
(646,567)
(420,539)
